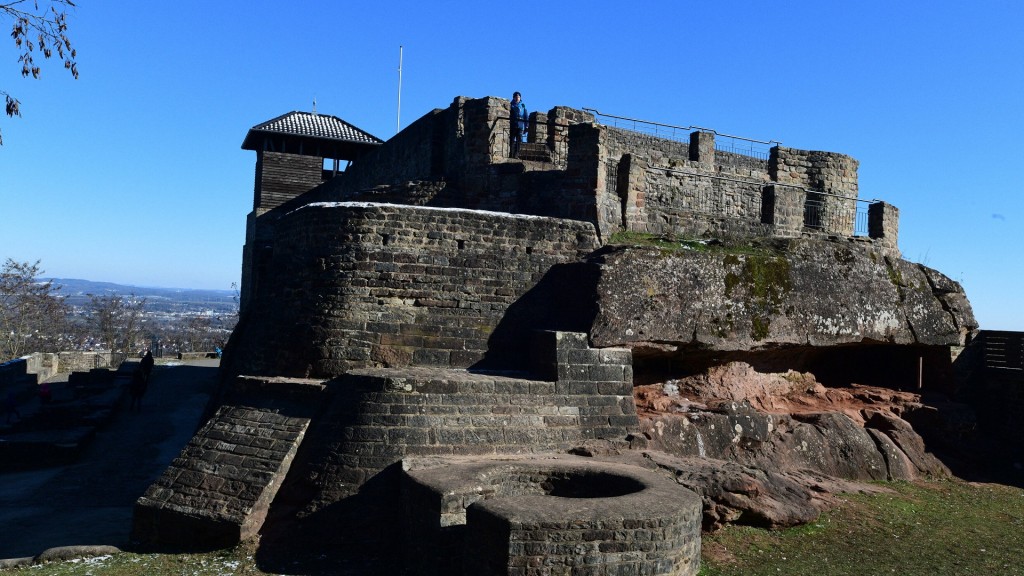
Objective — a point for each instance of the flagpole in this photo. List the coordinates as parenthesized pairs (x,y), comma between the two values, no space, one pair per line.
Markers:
(398,127)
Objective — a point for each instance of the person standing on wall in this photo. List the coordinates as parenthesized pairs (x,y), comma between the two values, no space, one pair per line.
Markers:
(517,123)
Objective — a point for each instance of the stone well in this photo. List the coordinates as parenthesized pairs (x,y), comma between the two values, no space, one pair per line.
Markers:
(546,516)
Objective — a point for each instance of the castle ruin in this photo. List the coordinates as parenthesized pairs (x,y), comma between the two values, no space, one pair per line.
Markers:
(441,319)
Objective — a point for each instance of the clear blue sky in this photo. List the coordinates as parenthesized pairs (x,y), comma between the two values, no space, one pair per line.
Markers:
(134,173)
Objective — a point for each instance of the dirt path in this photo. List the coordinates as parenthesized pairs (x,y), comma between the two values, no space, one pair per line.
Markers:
(90,502)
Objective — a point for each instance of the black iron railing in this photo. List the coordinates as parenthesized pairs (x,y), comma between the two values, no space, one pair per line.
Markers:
(759,149)
(838,212)
(1003,350)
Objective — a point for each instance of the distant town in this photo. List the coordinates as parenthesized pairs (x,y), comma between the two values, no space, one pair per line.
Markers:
(172,320)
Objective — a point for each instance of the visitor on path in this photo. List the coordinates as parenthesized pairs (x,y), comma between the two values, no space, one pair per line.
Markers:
(147,364)
(517,124)
(137,389)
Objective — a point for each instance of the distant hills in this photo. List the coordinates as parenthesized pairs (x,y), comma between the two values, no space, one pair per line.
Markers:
(77,293)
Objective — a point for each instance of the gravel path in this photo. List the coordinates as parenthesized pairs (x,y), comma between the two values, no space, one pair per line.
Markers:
(90,501)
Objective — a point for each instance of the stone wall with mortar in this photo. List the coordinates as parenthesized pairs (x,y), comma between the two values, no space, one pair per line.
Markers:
(415,153)
(833,174)
(548,515)
(382,415)
(42,365)
(691,189)
(221,486)
(353,285)
(458,157)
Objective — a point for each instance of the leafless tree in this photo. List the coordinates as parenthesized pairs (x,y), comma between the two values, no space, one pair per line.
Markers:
(197,333)
(32,312)
(117,321)
(38,31)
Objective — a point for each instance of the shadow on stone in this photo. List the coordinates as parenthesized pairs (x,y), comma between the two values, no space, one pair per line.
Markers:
(356,536)
(562,300)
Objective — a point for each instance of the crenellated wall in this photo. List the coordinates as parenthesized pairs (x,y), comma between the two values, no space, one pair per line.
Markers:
(616,179)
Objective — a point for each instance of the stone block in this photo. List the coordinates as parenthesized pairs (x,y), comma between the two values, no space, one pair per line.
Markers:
(194,509)
(521,530)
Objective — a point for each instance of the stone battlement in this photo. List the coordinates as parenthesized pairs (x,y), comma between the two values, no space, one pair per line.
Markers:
(615,179)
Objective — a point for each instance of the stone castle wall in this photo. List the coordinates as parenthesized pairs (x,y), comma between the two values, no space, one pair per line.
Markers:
(42,365)
(389,414)
(616,179)
(353,285)
(415,153)
(220,489)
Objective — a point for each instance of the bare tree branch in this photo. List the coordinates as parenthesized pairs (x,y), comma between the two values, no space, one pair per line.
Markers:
(38,31)
(32,312)
(118,321)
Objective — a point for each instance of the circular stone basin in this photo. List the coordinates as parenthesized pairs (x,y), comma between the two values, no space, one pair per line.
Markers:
(588,484)
(561,515)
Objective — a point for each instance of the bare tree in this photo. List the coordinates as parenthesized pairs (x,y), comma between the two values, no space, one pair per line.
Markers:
(117,321)
(32,312)
(198,333)
(38,31)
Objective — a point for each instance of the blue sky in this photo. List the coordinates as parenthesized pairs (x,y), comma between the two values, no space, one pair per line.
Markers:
(134,173)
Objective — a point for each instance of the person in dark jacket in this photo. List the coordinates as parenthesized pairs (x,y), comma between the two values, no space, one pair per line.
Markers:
(517,123)
(137,389)
(147,364)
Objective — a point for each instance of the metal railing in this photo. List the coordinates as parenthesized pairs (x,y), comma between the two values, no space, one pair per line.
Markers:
(1003,350)
(735,144)
(860,221)
(748,149)
(820,214)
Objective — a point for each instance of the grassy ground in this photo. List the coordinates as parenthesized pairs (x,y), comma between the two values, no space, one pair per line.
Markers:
(937,528)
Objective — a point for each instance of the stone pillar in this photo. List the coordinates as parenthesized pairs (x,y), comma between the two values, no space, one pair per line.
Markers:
(631,186)
(537,128)
(833,175)
(585,183)
(884,223)
(702,147)
(783,208)
(485,129)
(559,120)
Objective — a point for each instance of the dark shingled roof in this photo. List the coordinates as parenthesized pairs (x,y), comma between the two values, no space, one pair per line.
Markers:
(311,134)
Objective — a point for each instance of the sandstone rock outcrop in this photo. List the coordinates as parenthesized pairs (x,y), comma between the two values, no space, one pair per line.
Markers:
(772,449)
(774,293)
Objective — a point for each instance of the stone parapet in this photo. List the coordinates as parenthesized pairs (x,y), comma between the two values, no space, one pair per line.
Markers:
(825,171)
(884,223)
(784,209)
(702,148)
